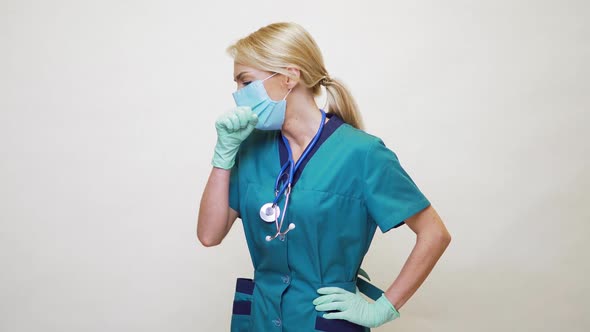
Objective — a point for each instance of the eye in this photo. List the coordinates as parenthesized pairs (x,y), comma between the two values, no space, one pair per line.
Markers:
(246,83)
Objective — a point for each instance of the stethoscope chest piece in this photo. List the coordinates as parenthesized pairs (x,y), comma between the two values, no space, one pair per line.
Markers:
(268,214)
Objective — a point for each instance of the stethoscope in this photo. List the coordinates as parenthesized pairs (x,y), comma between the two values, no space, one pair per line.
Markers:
(270,212)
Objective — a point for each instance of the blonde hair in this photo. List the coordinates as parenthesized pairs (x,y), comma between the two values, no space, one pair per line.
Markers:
(284,44)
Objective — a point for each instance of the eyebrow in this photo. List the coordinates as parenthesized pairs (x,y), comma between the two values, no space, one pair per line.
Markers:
(237,78)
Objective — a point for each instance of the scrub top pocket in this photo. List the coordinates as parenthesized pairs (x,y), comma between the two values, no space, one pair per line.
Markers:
(242,306)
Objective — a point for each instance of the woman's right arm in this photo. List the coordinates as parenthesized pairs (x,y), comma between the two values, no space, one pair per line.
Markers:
(215,216)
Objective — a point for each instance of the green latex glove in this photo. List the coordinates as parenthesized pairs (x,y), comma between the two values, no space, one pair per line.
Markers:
(354,308)
(232,128)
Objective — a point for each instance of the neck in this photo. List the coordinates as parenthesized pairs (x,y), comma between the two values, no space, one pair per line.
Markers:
(302,120)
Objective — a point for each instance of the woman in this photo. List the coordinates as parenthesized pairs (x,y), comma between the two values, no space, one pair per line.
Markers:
(311,188)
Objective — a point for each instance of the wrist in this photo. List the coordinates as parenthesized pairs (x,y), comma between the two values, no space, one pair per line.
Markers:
(222,164)
(224,155)
(223,160)
(392,311)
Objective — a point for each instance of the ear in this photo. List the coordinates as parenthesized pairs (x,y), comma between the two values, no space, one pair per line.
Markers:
(293,78)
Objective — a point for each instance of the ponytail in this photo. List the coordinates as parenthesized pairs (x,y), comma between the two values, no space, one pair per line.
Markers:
(341,102)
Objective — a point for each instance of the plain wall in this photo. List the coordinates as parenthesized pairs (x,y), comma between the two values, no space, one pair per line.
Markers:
(106,137)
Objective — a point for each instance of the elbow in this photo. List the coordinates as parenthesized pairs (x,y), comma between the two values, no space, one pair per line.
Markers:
(439,236)
(445,238)
(208,241)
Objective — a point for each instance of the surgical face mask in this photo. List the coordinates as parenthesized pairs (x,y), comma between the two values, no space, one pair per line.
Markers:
(271,114)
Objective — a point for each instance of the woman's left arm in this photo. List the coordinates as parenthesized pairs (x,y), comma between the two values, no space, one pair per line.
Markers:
(432,240)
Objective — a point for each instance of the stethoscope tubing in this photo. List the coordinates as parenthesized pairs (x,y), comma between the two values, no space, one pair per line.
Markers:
(287,186)
(290,161)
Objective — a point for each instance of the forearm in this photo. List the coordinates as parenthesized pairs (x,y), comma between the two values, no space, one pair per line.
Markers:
(428,249)
(214,208)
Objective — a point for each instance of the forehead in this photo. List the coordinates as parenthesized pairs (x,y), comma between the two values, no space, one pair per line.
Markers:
(238,68)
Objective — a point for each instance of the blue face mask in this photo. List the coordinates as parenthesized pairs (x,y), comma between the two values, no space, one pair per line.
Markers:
(271,114)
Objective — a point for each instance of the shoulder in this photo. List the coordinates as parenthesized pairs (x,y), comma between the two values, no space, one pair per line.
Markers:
(366,150)
(358,139)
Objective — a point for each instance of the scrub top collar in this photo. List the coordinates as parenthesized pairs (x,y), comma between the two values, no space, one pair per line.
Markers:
(329,128)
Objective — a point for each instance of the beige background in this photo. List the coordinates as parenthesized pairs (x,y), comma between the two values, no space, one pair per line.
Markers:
(106,136)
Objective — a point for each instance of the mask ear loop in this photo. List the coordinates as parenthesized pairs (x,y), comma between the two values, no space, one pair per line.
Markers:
(288,92)
(269,77)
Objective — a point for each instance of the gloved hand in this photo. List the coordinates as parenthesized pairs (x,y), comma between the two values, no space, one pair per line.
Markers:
(354,308)
(232,128)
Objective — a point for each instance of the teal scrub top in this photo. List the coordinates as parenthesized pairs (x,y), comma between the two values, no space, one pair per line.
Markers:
(350,185)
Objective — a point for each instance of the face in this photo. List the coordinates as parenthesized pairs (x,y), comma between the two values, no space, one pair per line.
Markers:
(276,86)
